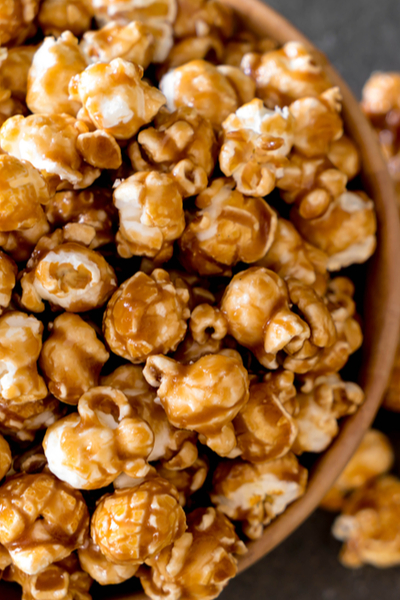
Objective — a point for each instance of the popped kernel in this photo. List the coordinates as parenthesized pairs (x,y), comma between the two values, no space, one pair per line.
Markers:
(146,315)
(16,20)
(14,70)
(5,458)
(57,16)
(201,17)
(21,421)
(102,570)
(188,480)
(8,275)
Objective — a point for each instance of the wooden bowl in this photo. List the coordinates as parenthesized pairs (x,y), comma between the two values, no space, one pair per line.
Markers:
(382,307)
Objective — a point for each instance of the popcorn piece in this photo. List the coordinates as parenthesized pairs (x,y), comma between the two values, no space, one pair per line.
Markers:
(48,142)
(242,44)
(57,16)
(346,232)
(204,396)
(8,274)
(22,421)
(373,457)
(290,256)
(92,208)
(285,75)
(31,461)
(187,481)
(174,448)
(344,155)
(330,399)
(72,358)
(182,143)
(256,305)
(16,20)
(280,384)
(99,149)
(199,564)
(228,228)
(201,85)
(101,569)
(133,42)
(114,97)
(67,275)
(207,322)
(256,142)
(201,17)
(54,63)
(14,70)
(317,122)
(63,580)
(147,11)
(151,520)
(146,315)
(20,346)
(5,462)
(90,449)
(19,244)
(256,493)
(22,191)
(380,95)
(194,48)
(151,215)
(43,520)
(368,525)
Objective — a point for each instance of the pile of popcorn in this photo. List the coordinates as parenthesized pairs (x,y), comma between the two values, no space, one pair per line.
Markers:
(176,200)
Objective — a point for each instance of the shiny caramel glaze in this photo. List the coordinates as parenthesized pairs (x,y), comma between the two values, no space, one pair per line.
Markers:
(16,20)
(102,570)
(22,420)
(188,480)
(57,16)
(14,70)
(5,457)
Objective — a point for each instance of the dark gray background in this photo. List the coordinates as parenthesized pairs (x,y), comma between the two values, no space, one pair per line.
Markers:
(358,36)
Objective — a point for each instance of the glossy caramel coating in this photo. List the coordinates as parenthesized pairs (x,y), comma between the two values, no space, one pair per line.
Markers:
(199,564)
(174,448)
(8,275)
(53,65)
(72,358)
(254,494)
(14,70)
(152,520)
(345,156)
(207,322)
(204,396)
(193,48)
(285,75)
(125,11)
(369,525)
(228,228)
(256,306)
(151,215)
(256,142)
(187,481)
(102,570)
(22,421)
(107,437)
(43,520)
(57,16)
(20,243)
(5,457)
(373,457)
(115,98)
(99,149)
(16,20)
(202,17)
(146,315)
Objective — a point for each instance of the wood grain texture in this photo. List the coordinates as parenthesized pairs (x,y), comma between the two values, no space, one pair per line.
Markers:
(382,304)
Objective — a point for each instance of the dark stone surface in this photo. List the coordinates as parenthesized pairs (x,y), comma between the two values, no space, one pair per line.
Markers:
(358,36)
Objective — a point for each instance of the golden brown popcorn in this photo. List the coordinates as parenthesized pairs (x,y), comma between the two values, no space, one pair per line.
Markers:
(174,448)
(256,305)
(243,43)
(22,192)
(256,493)
(344,155)
(285,75)
(5,458)
(16,20)
(67,275)
(182,143)
(290,256)
(201,85)
(72,358)
(281,385)
(207,322)
(369,525)
(19,244)
(204,396)
(381,94)
(187,481)
(151,215)
(53,65)
(57,16)
(133,42)
(107,437)
(99,149)
(199,564)
(330,399)
(48,142)
(317,122)
(202,17)
(125,11)
(373,457)
(207,47)
(102,570)
(115,98)
(20,346)
(134,524)
(14,69)
(256,142)
(264,429)
(92,208)
(312,184)
(5,560)
(8,274)
(43,520)
(146,315)
(63,580)
(22,421)
(227,229)
(346,231)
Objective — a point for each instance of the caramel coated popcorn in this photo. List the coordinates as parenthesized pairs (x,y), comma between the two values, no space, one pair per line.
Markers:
(16,20)
(57,16)
(101,569)
(5,457)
